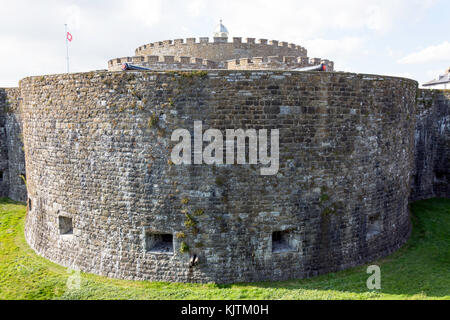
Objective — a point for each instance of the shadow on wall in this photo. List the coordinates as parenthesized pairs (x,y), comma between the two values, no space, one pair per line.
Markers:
(12,157)
(432,140)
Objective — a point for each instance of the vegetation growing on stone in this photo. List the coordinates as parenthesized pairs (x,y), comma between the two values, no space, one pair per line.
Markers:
(153,120)
(23,179)
(199,212)
(192,74)
(184,248)
(190,222)
(324,197)
(219,181)
(180,235)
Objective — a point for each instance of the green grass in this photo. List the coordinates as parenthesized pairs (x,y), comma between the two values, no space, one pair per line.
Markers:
(420,270)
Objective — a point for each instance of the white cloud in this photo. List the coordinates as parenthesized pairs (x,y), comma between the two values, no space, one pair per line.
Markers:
(72,16)
(144,12)
(432,74)
(343,31)
(196,7)
(337,47)
(341,51)
(431,54)
(407,75)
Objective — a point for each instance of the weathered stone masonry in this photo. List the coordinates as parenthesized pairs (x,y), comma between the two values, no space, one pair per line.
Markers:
(432,145)
(102,189)
(98,171)
(12,159)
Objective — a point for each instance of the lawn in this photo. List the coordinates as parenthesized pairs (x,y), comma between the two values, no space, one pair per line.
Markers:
(420,270)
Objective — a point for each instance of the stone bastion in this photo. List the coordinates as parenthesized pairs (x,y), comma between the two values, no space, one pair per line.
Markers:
(105,197)
(180,54)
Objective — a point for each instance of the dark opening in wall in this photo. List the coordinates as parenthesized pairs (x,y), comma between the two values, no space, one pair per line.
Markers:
(440,175)
(1,176)
(159,242)
(281,241)
(29,204)
(374,225)
(65,225)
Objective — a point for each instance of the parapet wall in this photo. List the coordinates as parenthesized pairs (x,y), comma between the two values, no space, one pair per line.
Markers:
(163,63)
(12,159)
(97,150)
(221,49)
(432,145)
(277,63)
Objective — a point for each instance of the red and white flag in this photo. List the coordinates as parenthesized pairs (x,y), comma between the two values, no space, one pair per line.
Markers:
(69,36)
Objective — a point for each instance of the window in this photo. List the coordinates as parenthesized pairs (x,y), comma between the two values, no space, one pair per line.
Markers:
(374,226)
(440,175)
(1,176)
(29,204)
(159,242)
(282,242)
(65,225)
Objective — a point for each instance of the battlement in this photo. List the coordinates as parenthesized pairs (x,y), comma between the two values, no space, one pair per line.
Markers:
(276,62)
(220,49)
(162,63)
(202,40)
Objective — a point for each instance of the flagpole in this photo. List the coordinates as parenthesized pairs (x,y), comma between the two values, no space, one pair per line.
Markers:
(67,48)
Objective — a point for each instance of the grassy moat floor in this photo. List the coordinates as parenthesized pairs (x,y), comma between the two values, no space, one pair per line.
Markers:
(420,270)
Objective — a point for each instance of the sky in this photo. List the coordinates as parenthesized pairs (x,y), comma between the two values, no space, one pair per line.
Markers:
(407,38)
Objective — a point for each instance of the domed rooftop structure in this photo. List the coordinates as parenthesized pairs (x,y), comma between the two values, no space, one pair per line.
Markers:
(221,31)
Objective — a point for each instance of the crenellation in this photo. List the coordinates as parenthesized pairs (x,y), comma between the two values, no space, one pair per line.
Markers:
(152,59)
(168,59)
(196,60)
(185,60)
(220,40)
(304,61)
(137,59)
(237,40)
(209,64)
(221,50)
(244,61)
(274,59)
(276,63)
(258,60)
(314,61)
(289,59)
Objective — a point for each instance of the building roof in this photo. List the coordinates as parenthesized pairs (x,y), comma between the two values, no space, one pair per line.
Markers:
(221,30)
(442,78)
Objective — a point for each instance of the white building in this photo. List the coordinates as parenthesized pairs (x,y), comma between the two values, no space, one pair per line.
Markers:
(442,81)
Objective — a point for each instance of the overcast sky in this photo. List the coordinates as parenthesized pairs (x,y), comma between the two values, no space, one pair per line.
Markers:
(409,38)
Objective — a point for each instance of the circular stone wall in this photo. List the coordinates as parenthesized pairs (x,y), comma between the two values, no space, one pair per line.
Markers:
(221,51)
(105,197)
